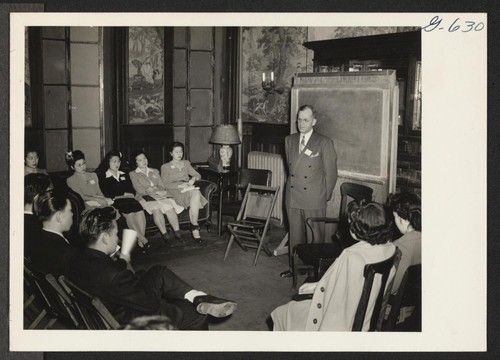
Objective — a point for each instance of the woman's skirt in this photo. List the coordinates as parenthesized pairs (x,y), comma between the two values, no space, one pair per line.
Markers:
(127,205)
(163,205)
(184,198)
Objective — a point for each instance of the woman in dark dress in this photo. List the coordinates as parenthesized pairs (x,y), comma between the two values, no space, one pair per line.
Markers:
(116,185)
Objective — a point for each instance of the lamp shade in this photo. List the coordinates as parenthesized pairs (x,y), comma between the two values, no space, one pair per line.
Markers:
(225,135)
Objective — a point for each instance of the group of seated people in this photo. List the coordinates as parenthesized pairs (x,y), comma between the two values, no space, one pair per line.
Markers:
(102,271)
(334,299)
(98,267)
(142,189)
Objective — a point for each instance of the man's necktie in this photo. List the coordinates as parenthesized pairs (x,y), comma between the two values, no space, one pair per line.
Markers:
(302,143)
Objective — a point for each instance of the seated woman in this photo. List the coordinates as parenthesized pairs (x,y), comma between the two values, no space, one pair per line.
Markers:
(152,195)
(336,296)
(406,208)
(176,178)
(85,183)
(116,185)
(31,162)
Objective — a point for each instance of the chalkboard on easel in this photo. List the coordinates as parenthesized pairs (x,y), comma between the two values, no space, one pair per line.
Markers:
(355,111)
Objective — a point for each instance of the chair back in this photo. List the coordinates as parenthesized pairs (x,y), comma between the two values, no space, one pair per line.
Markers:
(409,293)
(254,176)
(383,269)
(349,192)
(50,294)
(92,312)
(258,202)
(77,206)
(352,191)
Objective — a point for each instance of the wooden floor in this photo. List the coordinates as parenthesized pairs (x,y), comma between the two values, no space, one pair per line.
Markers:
(257,290)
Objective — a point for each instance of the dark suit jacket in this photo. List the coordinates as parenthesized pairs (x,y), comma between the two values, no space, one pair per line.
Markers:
(312,173)
(118,288)
(32,233)
(52,254)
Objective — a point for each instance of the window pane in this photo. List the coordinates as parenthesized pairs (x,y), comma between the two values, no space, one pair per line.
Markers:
(180,134)
(56,107)
(180,37)
(54,62)
(179,106)
(53,32)
(88,141)
(56,146)
(180,68)
(200,148)
(201,70)
(201,38)
(85,106)
(84,64)
(145,75)
(201,101)
(84,33)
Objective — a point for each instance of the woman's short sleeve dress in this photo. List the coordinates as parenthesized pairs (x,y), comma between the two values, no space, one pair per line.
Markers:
(173,176)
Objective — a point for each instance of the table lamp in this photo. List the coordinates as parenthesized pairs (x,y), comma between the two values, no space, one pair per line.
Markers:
(225,135)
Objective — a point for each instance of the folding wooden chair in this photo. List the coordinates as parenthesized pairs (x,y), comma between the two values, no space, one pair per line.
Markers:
(252,222)
(92,312)
(51,299)
(409,294)
(382,268)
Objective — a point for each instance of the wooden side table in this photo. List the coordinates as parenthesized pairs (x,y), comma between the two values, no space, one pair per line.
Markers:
(222,179)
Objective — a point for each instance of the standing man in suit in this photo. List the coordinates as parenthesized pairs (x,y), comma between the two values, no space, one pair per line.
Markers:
(312,174)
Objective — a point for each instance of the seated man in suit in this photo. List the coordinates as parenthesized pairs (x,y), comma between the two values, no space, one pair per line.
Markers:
(129,294)
(52,252)
(34,184)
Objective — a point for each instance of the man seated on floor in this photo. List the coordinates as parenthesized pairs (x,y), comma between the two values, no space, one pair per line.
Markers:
(52,252)
(128,294)
(34,184)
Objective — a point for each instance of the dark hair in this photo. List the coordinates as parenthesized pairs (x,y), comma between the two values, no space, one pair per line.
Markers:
(35,184)
(409,207)
(95,222)
(136,153)
(30,149)
(151,322)
(73,156)
(310,107)
(174,145)
(47,203)
(371,223)
(104,165)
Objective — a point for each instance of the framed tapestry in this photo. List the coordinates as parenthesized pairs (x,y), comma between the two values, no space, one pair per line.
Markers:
(146,93)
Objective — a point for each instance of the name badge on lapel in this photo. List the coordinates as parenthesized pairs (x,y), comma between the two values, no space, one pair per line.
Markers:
(122,178)
(308,152)
(91,182)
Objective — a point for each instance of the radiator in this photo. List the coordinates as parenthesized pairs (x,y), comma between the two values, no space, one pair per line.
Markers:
(273,162)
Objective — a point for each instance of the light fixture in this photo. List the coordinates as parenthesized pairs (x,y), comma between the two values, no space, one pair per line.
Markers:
(270,86)
(225,135)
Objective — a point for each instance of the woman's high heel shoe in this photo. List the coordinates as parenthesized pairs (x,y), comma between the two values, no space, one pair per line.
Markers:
(178,237)
(166,240)
(146,248)
(195,233)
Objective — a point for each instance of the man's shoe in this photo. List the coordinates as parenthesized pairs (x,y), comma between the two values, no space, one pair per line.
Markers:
(286,273)
(207,304)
